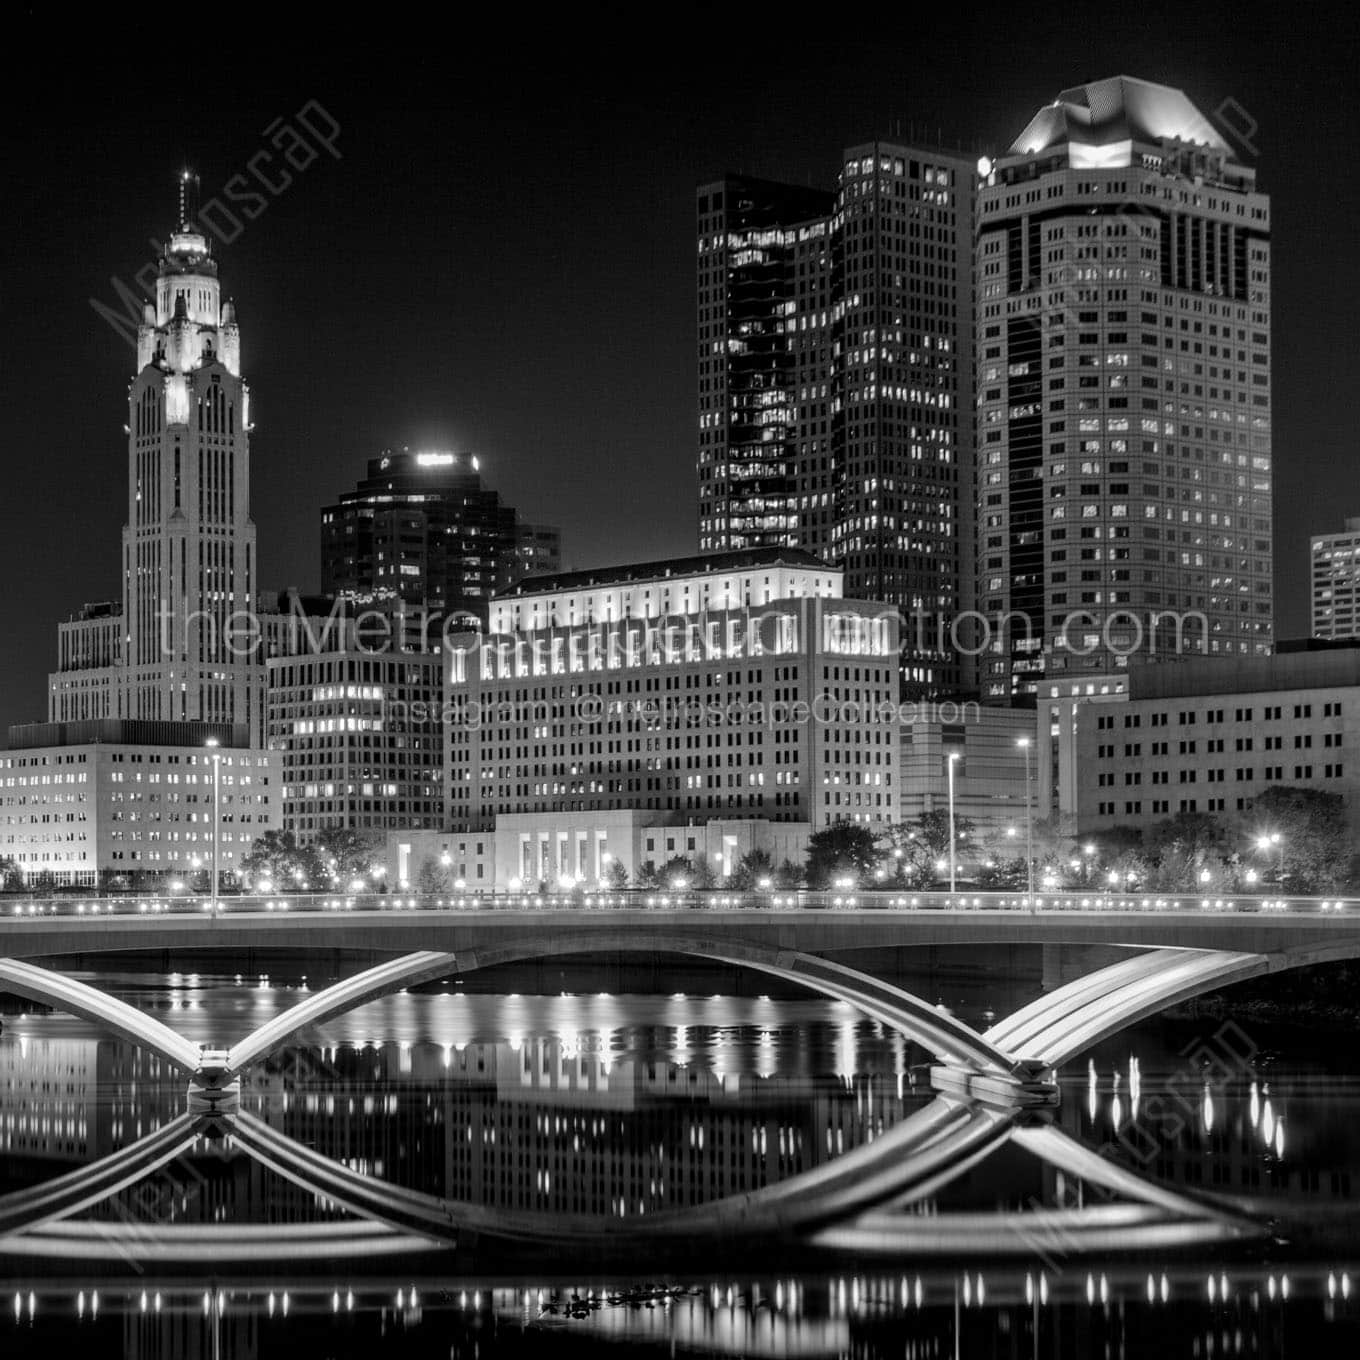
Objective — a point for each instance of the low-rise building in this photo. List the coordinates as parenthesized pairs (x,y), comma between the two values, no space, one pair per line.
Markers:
(570,849)
(94,803)
(994,774)
(1211,735)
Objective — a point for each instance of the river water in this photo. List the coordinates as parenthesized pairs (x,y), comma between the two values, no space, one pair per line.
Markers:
(559,1114)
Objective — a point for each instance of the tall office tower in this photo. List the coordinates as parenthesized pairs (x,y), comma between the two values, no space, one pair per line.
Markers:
(1336,583)
(423,528)
(1124,418)
(835,382)
(176,652)
(901,397)
(751,238)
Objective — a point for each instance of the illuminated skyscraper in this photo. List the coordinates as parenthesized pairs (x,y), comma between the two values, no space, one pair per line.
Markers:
(173,652)
(835,382)
(754,237)
(1124,403)
(423,528)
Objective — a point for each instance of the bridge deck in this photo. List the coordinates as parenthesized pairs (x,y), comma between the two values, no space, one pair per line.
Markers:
(1301,934)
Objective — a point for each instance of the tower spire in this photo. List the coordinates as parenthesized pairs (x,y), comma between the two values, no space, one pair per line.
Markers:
(188,197)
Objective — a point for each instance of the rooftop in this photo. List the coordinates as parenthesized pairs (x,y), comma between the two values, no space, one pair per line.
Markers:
(745,559)
(127,732)
(1119,109)
(1303,663)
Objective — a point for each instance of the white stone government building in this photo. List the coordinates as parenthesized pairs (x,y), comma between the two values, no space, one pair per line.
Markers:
(700,707)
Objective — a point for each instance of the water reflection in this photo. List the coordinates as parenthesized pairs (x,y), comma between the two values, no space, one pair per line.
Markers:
(1108,1309)
(570,1112)
(1220,1111)
(619,1108)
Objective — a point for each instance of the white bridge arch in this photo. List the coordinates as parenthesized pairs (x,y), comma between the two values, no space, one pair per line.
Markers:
(860,1201)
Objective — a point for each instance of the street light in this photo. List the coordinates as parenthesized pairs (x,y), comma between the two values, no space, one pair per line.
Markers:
(1024,744)
(953,864)
(212,744)
(1268,841)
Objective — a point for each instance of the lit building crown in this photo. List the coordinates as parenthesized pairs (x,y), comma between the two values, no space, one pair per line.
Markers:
(1099,123)
(188,326)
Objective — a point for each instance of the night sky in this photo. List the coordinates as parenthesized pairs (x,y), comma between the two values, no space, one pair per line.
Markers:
(501,258)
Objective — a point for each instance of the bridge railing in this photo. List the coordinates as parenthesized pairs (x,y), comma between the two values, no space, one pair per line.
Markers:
(94,906)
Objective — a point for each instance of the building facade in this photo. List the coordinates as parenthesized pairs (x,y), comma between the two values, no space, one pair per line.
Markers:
(738,685)
(1336,583)
(836,382)
(1123,391)
(180,650)
(111,801)
(1211,735)
(566,850)
(752,263)
(424,528)
(357,739)
(995,776)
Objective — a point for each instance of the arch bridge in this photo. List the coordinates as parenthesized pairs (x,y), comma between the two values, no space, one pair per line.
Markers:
(991,1087)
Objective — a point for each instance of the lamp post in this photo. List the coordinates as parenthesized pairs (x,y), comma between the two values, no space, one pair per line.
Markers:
(1024,744)
(953,865)
(212,744)
(1268,842)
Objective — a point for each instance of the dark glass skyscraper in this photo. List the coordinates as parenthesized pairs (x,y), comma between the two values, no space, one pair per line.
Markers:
(423,528)
(836,382)
(750,267)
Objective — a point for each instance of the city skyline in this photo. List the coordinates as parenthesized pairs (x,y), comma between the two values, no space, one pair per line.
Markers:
(562,459)
(720,718)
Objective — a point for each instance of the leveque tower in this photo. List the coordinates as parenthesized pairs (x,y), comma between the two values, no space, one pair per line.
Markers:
(179,648)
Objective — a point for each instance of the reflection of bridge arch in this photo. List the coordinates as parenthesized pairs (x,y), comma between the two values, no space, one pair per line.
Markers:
(25,1210)
(861,1201)
(914,1159)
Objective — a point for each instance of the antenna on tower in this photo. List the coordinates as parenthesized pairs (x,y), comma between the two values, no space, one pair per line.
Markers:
(188,197)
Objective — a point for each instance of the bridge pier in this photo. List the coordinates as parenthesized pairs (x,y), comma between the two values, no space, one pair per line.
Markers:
(1030,1087)
(214,1089)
